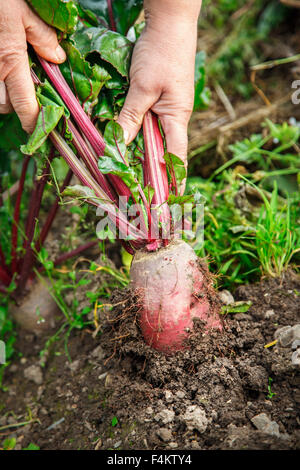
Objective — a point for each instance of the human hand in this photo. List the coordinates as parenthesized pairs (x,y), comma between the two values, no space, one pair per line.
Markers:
(18,24)
(162,78)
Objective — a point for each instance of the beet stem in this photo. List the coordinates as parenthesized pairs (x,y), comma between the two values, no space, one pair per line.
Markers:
(16,217)
(112,22)
(52,214)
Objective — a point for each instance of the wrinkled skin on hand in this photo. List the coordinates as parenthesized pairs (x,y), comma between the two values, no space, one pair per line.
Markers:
(162,78)
(162,71)
(19,25)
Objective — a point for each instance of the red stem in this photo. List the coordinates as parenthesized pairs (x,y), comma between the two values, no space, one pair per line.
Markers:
(3,264)
(36,200)
(76,252)
(81,118)
(112,22)
(30,214)
(155,170)
(16,219)
(125,227)
(89,159)
(4,277)
(83,121)
(52,213)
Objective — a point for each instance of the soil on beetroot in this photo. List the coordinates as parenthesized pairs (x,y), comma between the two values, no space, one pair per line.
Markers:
(117,393)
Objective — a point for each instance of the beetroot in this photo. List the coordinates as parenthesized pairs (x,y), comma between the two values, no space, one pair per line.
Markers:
(171,285)
(172,289)
(137,188)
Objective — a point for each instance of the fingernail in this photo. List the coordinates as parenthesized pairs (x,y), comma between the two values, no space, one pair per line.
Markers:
(60,54)
(2,93)
(126,137)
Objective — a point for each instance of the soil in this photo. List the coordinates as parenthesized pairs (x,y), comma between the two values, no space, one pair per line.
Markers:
(226,391)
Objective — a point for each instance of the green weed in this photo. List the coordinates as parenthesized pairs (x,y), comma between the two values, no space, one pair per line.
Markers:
(10,444)
(270,394)
(251,220)
(238,29)
(114,421)
(8,336)
(276,239)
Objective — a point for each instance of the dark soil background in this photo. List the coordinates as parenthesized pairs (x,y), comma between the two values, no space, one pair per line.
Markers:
(119,394)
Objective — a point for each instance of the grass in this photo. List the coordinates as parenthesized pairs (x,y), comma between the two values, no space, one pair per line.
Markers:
(237,29)
(281,159)
(252,210)
(276,237)
(10,444)
(62,278)
(270,394)
(8,336)
(67,282)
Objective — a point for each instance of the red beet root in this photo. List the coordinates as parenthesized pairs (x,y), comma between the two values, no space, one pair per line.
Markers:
(171,285)
(172,290)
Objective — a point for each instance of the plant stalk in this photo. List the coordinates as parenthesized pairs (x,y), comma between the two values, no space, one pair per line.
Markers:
(155,170)
(16,217)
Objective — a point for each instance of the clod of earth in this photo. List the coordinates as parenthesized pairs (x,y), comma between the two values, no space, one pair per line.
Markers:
(36,311)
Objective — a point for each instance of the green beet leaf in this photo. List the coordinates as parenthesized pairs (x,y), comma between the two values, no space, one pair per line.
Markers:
(81,192)
(11,132)
(108,165)
(47,95)
(125,12)
(48,119)
(62,14)
(176,168)
(103,110)
(112,47)
(202,93)
(85,80)
(115,144)
(115,160)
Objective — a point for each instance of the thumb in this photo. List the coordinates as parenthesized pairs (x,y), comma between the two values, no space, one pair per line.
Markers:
(42,37)
(176,137)
(176,140)
(131,117)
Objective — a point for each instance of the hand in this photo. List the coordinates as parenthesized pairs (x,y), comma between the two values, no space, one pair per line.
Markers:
(19,24)
(162,79)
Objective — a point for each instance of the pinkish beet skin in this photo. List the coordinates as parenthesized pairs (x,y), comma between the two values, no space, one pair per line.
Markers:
(170,288)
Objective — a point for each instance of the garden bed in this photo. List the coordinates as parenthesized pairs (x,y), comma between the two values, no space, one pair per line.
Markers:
(228,391)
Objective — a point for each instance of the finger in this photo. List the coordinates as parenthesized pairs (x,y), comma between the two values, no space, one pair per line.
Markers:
(5,104)
(137,103)
(6,108)
(176,137)
(176,141)
(42,37)
(22,93)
